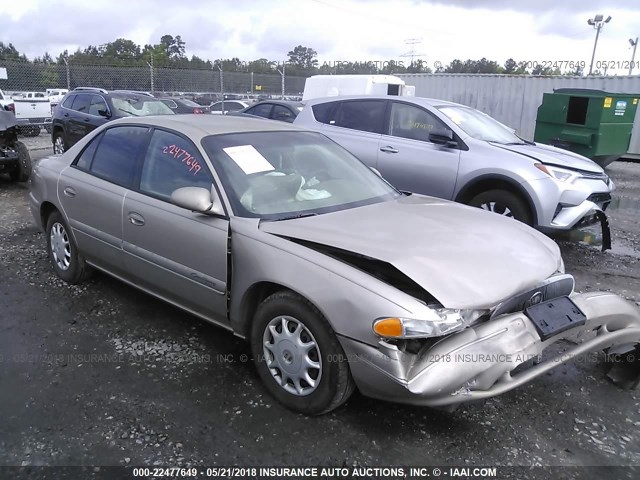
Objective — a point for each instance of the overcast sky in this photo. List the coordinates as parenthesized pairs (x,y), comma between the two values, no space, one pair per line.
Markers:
(336,29)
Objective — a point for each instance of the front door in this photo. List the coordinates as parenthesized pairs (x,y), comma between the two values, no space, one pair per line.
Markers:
(178,254)
(409,161)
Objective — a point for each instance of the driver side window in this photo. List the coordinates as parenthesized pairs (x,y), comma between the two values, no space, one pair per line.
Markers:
(172,162)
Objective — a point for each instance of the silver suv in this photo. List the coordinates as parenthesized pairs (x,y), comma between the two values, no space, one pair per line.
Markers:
(455,152)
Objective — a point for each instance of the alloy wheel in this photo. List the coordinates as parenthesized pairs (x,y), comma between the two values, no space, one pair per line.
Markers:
(60,246)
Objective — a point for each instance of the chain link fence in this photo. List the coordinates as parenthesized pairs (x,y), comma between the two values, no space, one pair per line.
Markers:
(25,76)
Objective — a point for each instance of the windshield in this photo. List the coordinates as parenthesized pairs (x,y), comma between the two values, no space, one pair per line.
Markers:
(480,125)
(140,106)
(279,175)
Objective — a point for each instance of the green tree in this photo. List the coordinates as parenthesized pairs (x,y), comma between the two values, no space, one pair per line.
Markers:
(303,59)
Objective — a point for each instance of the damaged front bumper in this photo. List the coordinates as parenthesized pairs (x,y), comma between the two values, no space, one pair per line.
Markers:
(480,361)
(587,213)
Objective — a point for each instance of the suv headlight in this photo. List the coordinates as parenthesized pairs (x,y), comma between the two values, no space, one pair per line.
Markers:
(442,322)
(561,174)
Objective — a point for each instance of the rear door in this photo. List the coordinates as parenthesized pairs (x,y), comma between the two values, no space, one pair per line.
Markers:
(357,125)
(409,161)
(78,118)
(179,254)
(92,190)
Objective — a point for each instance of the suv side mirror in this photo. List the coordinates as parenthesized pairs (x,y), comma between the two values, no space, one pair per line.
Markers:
(197,199)
(442,136)
(103,112)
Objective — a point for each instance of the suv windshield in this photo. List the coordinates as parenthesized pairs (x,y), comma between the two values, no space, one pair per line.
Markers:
(480,125)
(140,106)
(280,175)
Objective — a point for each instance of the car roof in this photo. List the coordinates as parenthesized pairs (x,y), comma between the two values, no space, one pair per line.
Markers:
(197,127)
(432,102)
(291,103)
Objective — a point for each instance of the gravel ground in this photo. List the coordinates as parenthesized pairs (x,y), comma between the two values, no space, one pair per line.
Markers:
(101,374)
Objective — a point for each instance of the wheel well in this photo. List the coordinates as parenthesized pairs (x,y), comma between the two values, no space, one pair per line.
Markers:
(470,191)
(46,209)
(253,297)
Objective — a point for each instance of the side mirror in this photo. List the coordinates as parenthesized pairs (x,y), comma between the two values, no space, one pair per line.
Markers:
(197,199)
(103,112)
(442,136)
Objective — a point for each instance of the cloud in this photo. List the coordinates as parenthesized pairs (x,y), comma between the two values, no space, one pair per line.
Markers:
(538,6)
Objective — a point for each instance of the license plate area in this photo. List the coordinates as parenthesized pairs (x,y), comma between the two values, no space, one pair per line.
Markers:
(555,316)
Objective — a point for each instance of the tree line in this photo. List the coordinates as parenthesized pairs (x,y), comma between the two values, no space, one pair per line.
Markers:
(301,60)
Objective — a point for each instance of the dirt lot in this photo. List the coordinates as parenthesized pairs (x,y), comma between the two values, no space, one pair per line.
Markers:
(103,374)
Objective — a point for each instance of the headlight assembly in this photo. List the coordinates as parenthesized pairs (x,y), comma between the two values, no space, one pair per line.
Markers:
(442,322)
(561,174)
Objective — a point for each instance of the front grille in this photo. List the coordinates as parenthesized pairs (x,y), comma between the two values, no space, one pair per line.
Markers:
(554,287)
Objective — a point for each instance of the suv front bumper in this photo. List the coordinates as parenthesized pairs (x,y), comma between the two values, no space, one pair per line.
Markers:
(480,361)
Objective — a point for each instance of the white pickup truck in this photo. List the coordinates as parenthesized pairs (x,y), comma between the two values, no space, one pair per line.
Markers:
(32,112)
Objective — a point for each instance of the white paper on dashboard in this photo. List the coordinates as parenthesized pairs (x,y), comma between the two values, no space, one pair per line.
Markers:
(248,159)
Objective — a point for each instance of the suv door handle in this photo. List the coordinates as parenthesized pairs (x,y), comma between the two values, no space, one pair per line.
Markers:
(389,149)
(69,192)
(136,219)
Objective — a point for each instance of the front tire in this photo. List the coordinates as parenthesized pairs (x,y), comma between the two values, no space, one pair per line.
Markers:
(503,203)
(23,172)
(67,262)
(298,356)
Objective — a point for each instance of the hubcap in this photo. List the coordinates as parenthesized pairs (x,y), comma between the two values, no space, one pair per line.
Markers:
(60,246)
(292,355)
(58,146)
(497,208)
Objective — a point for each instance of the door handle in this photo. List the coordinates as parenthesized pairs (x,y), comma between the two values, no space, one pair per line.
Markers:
(86,119)
(136,219)
(69,192)
(389,149)
(66,114)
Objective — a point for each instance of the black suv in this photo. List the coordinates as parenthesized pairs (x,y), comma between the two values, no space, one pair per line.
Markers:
(86,108)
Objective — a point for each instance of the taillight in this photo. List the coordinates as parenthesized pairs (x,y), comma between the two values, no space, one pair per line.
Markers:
(197,110)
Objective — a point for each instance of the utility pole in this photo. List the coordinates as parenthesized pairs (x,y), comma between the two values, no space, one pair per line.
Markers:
(597,22)
(221,87)
(151,73)
(634,44)
(66,66)
(281,72)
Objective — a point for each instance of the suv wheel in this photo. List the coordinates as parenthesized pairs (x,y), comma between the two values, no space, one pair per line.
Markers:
(504,203)
(59,145)
(298,356)
(23,172)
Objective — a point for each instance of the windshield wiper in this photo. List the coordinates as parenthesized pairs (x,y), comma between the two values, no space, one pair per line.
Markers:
(299,215)
(127,111)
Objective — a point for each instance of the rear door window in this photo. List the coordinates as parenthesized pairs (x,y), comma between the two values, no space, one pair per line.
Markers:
(82,103)
(364,115)
(117,155)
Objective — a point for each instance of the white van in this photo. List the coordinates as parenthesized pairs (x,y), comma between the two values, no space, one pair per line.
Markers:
(320,86)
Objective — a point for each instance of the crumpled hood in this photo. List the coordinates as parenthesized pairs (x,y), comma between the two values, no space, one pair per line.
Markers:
(463,256)
(555,156)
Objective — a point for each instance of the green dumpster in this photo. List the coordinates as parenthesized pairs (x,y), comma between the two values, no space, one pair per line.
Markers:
(592,123)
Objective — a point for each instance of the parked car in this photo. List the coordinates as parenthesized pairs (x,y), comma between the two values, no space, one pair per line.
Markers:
(335,278)
(229,106)
(283,110)
(85,108)
(206,99)
(455,152)
(14,155)
(183,105)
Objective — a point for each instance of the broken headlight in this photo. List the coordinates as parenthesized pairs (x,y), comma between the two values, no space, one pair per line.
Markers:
(443,321)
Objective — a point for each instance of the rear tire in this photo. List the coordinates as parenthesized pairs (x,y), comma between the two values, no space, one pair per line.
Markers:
(67,261)
(59,145)
(307,350)
(503,203)
(23,172)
